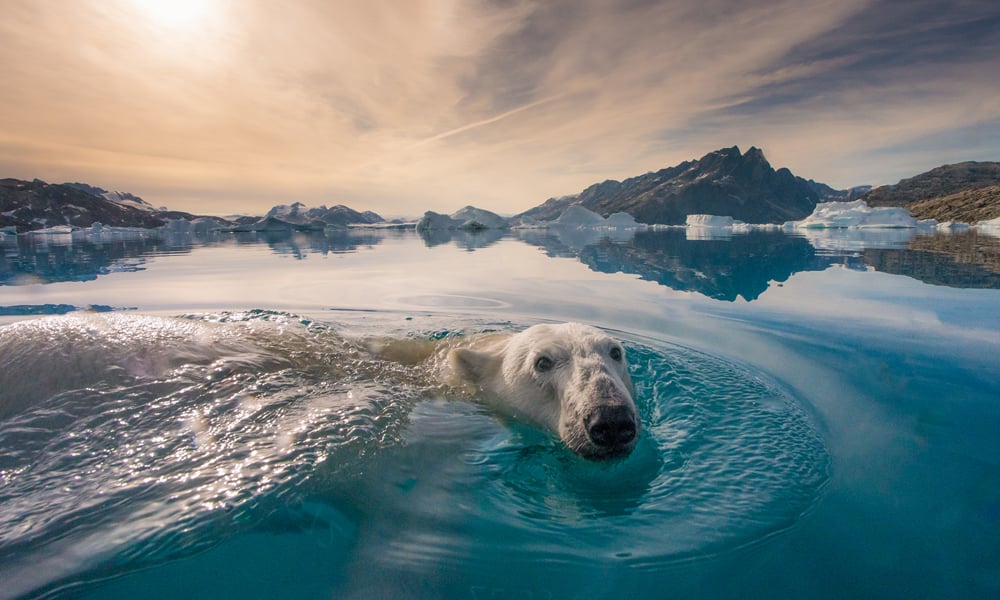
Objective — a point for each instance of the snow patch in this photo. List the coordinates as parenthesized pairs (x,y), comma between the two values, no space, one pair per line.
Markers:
(127,199)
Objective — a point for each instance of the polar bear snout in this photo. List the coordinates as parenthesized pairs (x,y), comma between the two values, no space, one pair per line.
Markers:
(571,379)
(612,428)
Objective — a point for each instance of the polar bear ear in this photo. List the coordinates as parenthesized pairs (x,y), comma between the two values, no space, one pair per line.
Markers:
(472,365)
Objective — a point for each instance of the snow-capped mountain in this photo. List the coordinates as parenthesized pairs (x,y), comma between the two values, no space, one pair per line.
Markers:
(123,198)
(32,205)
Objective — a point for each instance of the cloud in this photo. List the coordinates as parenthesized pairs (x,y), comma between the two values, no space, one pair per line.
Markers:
(433,104)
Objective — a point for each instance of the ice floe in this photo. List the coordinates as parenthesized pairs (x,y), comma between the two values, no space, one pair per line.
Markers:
(855,215)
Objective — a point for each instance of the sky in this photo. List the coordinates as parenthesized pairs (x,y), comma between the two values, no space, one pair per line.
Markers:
(402,106)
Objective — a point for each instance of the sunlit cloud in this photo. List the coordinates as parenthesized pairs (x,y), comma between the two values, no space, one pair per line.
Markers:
(224,106)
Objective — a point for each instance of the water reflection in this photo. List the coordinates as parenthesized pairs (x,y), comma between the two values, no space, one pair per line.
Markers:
(466,239)
(83,256)
(720,264)
(964,260)
(721,268)
(725,265)
(300,244)
(86,255)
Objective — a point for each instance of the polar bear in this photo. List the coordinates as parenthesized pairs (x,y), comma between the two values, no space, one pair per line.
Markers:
(569,378)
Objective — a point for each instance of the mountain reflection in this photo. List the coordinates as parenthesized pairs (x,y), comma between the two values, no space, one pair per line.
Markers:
(84,256)
(722,268)
(300,244)
(467,240)
(962,260)
(725,265)
(719,264)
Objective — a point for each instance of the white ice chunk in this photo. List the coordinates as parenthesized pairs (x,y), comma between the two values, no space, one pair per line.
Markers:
(472,217)
(991,227)
(578,216)
(714,221)
(856,214)
(952,226)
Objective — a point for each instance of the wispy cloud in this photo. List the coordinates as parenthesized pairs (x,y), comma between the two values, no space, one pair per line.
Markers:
(433,104)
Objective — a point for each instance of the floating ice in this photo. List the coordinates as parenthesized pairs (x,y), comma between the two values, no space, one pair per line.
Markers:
(199,225)
(578,216)
(991,227)
(950,226)
(715,221)
(469,218)
(622,220)
(55,230)
(856,214)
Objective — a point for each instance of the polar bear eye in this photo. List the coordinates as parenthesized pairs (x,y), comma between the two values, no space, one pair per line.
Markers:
(543,363)
(616,354)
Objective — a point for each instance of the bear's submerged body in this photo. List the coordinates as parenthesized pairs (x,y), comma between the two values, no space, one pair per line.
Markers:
(569,379)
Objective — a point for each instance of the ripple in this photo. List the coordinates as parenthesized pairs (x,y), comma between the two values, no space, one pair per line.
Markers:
(452,301)
(726,458)
(271,414)
(126,471)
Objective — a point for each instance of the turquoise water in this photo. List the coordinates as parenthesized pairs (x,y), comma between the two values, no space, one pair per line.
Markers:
(819,418)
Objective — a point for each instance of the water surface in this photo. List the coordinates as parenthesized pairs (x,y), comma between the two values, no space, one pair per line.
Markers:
(819,419)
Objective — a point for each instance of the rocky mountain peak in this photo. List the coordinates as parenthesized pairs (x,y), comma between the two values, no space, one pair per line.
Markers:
(723,182)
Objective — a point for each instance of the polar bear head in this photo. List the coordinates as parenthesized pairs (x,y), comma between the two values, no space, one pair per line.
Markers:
(570,378)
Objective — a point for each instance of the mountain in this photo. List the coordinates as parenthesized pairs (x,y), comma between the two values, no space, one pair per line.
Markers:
(123,198)
(938,182)
(967,192)
(724,182)
(969,206)
(31,205)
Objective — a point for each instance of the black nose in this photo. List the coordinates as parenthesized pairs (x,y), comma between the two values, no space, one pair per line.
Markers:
(611,426)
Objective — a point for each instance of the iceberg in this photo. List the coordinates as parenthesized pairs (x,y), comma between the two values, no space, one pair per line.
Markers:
(951,226)
(714,221)
(717,227)
(855,215)
(991,227)
(55,230)
(199,225)
(578,216)
(623,220)
(469,218)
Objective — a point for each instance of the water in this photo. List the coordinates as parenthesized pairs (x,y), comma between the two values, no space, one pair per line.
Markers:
(200,417)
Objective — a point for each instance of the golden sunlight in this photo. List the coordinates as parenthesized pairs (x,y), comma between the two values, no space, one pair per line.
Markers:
(175,14)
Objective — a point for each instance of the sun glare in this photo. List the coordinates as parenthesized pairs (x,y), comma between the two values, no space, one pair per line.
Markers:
(174,14)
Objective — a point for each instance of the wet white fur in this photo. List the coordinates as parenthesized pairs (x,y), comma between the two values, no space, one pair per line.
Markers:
(583,376)
(39,358)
